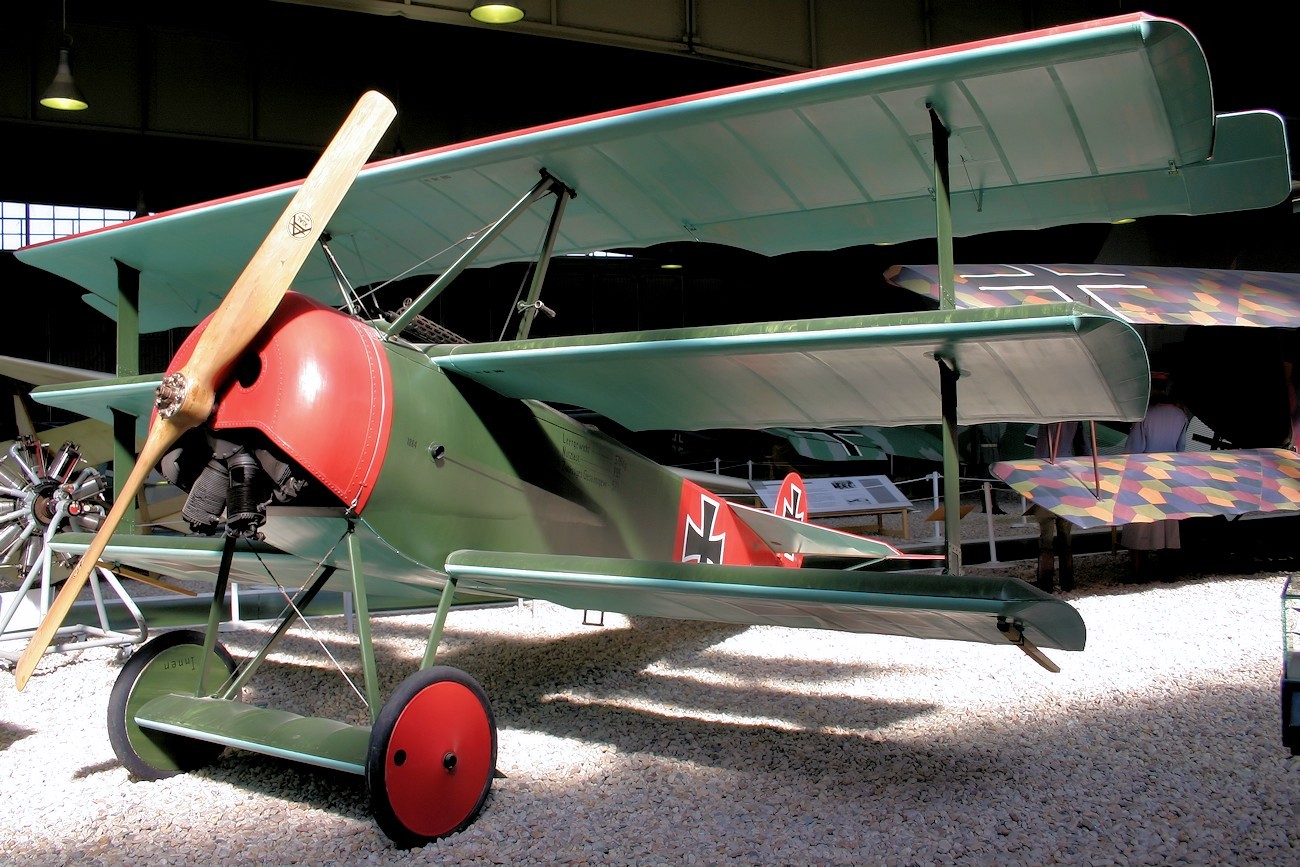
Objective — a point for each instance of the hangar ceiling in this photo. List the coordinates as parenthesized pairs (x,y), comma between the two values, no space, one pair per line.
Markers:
(195,101)
(190,101)
(769,35)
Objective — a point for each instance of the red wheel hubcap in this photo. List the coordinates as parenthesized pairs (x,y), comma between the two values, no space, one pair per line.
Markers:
(439,759)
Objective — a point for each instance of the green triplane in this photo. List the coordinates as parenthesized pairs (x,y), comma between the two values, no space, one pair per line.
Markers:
(379,456)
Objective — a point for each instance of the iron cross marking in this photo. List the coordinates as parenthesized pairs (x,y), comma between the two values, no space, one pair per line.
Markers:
(703,544)
(793,507)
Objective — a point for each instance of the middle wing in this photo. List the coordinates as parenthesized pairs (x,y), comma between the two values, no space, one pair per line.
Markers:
(1033,363)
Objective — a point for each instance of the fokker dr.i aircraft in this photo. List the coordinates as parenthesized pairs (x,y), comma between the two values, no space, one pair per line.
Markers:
(398,461)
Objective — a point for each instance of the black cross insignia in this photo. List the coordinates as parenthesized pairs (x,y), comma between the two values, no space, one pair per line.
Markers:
(702,544)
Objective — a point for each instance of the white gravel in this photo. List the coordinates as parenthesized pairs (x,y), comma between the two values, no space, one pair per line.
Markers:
(660,742)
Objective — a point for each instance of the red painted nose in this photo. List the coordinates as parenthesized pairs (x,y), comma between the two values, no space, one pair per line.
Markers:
(318,384)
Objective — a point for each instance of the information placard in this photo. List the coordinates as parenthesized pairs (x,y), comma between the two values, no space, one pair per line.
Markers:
(847,495)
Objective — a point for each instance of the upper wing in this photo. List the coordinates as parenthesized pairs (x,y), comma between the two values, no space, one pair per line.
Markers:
(1141,295)
(1032,363)
(1138,488)
(1083,123)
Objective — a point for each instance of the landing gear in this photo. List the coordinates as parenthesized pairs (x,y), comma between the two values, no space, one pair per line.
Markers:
(168,664)
(431,758)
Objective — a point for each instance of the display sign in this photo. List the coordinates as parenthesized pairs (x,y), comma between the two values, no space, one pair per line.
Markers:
(846,495)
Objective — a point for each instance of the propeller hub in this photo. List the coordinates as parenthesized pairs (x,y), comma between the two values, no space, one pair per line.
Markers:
(170,394)
(183,400)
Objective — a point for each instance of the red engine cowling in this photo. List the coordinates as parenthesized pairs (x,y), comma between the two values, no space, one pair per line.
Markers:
(317,383)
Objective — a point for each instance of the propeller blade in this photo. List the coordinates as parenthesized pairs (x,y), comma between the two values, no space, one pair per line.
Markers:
(187,397)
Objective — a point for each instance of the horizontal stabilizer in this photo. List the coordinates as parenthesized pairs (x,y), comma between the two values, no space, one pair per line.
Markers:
(961,608)
(788,536)
(1139,488)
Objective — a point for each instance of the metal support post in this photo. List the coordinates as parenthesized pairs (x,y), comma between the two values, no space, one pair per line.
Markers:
(214,611)
(291,615)
(363,625)
(948,375)
(439,620)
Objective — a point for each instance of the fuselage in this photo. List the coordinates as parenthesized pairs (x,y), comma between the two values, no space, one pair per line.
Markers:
(468,468)
(433,462)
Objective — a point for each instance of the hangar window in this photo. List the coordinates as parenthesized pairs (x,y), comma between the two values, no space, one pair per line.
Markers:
(22,223)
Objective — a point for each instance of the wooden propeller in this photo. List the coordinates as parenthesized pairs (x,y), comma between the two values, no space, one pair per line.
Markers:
(186,398)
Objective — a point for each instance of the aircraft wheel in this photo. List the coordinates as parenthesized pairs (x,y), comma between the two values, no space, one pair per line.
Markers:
(432,754)
(167,664)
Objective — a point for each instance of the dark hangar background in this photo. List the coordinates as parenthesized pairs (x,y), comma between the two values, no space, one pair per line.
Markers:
(194,101)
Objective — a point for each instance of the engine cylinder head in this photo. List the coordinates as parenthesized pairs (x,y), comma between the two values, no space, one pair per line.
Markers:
(89,484)
(32,553)
(8,535)
(65,462)
(87,522)
(244,499)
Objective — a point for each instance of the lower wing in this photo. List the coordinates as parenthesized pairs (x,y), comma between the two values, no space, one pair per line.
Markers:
(964,608)
(1126,489)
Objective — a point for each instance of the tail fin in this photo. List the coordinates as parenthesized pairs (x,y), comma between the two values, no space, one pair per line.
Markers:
(711,530)
(708,531)
(792,502)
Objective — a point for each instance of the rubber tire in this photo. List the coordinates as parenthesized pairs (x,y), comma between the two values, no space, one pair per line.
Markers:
(435,717)
(153,671)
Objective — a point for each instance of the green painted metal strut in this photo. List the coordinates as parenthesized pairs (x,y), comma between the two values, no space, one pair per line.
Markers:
(215,611)
(948,372)
(439,620)
(362,604)
(948,376)
(128,364)
(532,303)
(544,187)
(294,611)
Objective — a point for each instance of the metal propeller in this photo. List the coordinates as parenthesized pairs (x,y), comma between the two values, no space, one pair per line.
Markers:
(186,398)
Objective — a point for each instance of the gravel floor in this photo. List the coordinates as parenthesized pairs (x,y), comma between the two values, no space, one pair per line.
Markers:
(660,742)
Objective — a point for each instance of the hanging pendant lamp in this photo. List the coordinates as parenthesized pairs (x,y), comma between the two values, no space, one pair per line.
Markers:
(493,12)
(62,94)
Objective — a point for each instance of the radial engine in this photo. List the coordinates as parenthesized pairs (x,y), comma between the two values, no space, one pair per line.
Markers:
(42,493)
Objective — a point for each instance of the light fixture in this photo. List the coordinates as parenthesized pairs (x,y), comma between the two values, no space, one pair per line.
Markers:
(62,92)
(1123,221)
(492,12)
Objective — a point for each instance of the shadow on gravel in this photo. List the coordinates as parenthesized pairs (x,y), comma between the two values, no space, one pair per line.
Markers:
(11,733)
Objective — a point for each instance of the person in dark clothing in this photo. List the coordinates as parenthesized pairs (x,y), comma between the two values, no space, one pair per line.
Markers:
(1056,440)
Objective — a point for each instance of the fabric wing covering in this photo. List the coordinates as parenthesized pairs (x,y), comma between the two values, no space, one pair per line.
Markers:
(1084,123)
